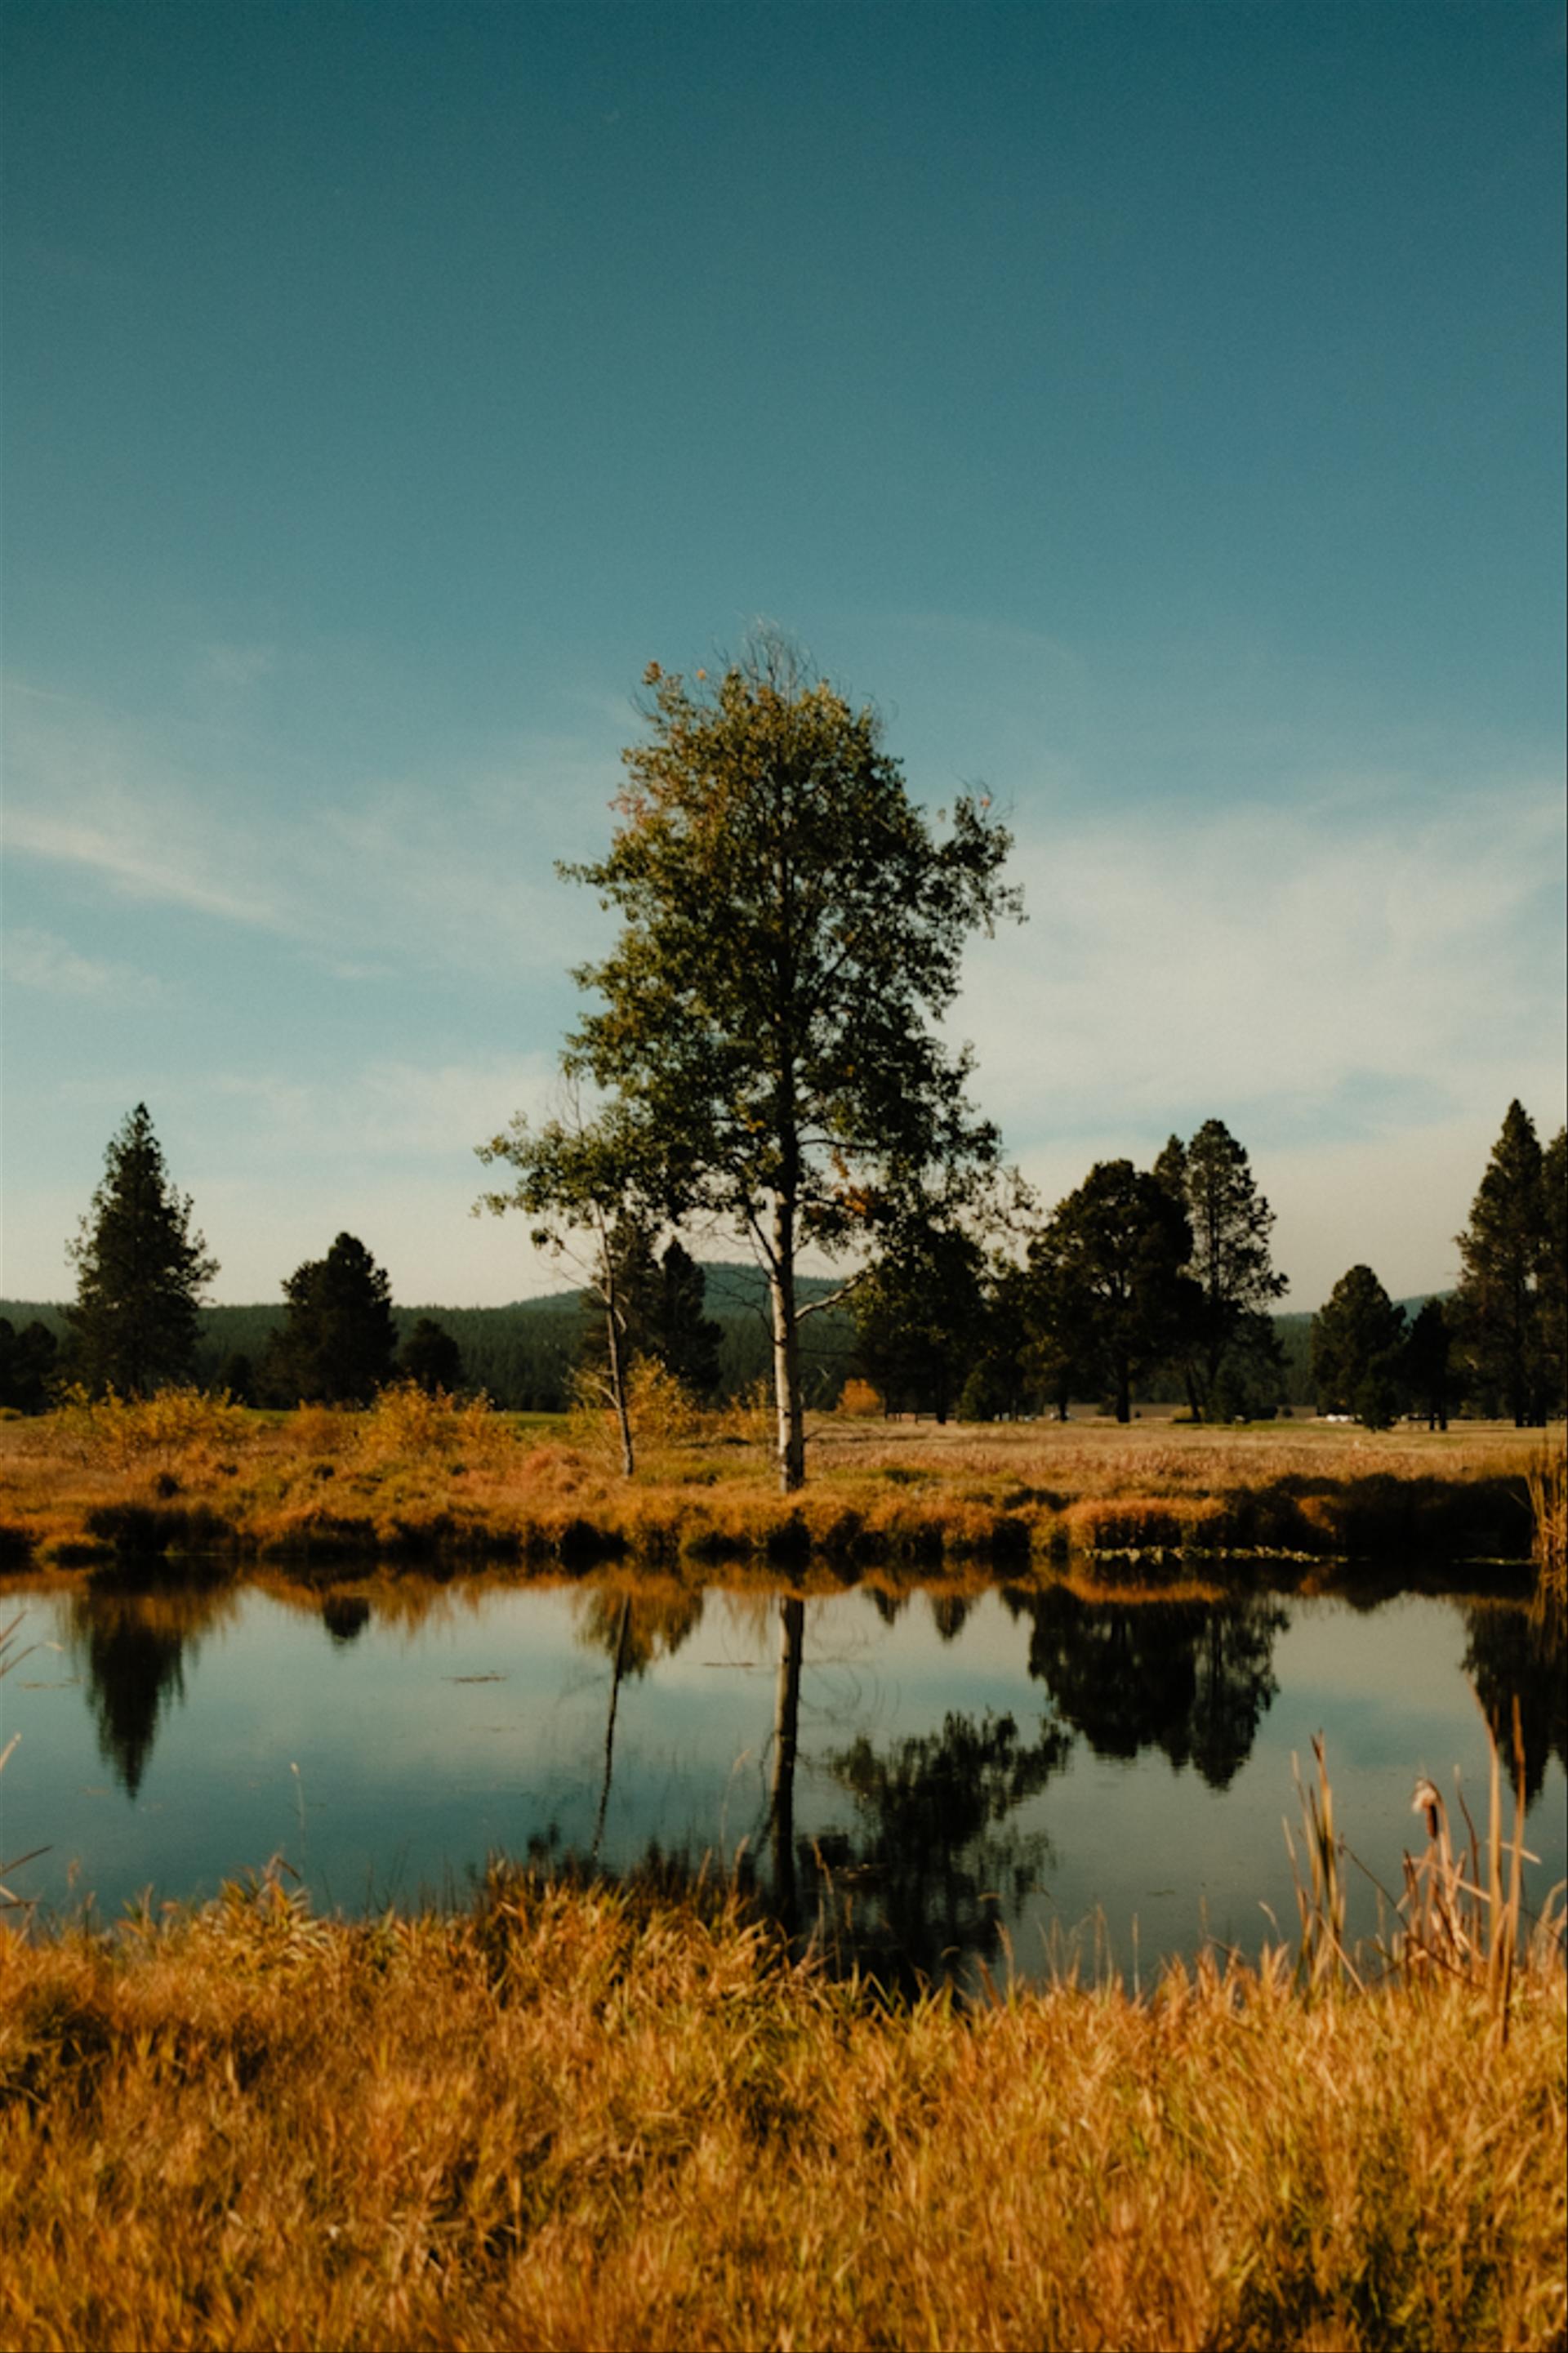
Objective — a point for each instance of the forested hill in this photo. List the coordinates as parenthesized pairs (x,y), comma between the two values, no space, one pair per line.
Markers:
(523,1355)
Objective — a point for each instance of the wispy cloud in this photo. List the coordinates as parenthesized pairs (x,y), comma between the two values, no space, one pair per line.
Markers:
(1356,989)
(143,867)
(363,872)
(1305,964)
(39,960)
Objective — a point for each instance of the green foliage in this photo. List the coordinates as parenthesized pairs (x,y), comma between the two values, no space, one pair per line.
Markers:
(431,1358)
(28,1360)
(1358,1350)
(1001,1382)
(661,1301)
(339,1340)
(1107,1295)
(919,1320)
(139,1271)
(1511,1307)
(594,1189)
(1231,1268)
(792,924)
(1430,1377)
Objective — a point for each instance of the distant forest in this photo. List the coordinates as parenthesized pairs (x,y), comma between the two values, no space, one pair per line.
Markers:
(522,1355)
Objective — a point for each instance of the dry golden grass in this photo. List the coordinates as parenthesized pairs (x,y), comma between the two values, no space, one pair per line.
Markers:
(420,1476)
(583,2117)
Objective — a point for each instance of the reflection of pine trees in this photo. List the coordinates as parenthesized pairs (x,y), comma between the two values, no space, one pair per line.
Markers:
(922,1884)
(1509,1655)
(1192,1679)
(131,1648)
(345,1616)
(949,1612)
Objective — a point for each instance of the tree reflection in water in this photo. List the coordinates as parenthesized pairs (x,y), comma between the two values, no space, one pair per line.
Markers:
(636,1625)
(635,1628)
(925,1885)
(345,1616)
(1510,1655)
(130,1643)
(1192,1679)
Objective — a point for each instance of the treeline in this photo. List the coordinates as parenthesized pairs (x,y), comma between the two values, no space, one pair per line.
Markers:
(1156,1284)
(523,1356)
(1140,1287)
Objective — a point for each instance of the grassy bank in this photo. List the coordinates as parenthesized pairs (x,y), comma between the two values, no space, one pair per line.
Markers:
(416,1478)
(580,2117)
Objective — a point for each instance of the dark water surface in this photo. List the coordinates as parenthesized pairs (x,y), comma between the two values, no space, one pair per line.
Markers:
(1016,1763)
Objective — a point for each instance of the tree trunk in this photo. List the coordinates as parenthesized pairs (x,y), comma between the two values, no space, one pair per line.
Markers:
(622,1632)
(786,1727)
(787,1354)
(617,1367)
(1123,1392)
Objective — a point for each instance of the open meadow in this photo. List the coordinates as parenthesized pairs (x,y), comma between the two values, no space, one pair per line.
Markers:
(418,1478)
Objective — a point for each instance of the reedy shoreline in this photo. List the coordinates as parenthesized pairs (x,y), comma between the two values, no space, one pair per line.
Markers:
(588,2117)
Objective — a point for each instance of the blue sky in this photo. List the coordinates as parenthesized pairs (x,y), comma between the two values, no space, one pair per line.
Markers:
(1156,410)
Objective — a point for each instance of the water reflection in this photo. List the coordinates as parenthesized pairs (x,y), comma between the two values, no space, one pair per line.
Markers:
(891,1768)
(1510,1656)
(345,1616)
(1192,1679)
(131,1646)
(635,1627)
(938,1858)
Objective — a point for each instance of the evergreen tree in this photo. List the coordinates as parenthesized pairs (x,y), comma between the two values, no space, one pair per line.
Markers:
(1502,1253)
(1232,1270)
(430,1357)
(27,1360)
(139,1271)
(1429,1376)
(1357,1348)
(917,1320)
(339,1339)
(1107,1285)
(1552,1275)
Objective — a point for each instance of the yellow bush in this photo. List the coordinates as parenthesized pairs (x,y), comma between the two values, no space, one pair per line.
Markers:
(123,1431)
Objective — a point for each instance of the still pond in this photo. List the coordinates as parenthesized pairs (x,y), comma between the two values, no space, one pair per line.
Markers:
(931,1777)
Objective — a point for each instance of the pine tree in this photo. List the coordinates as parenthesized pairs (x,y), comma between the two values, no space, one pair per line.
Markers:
(1502,1251)
(1553,1274)
(339,1342)
(139,1271)
(1358,1342)
(1231,1265)
(1107,1290)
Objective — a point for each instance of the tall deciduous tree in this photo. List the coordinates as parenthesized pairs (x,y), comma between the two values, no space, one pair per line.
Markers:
(339,1339)
(1231,1266)
(792,923)
(1107,1277)
(591,1184)
(1358,1340)
(1502,1251)
(141,1271)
